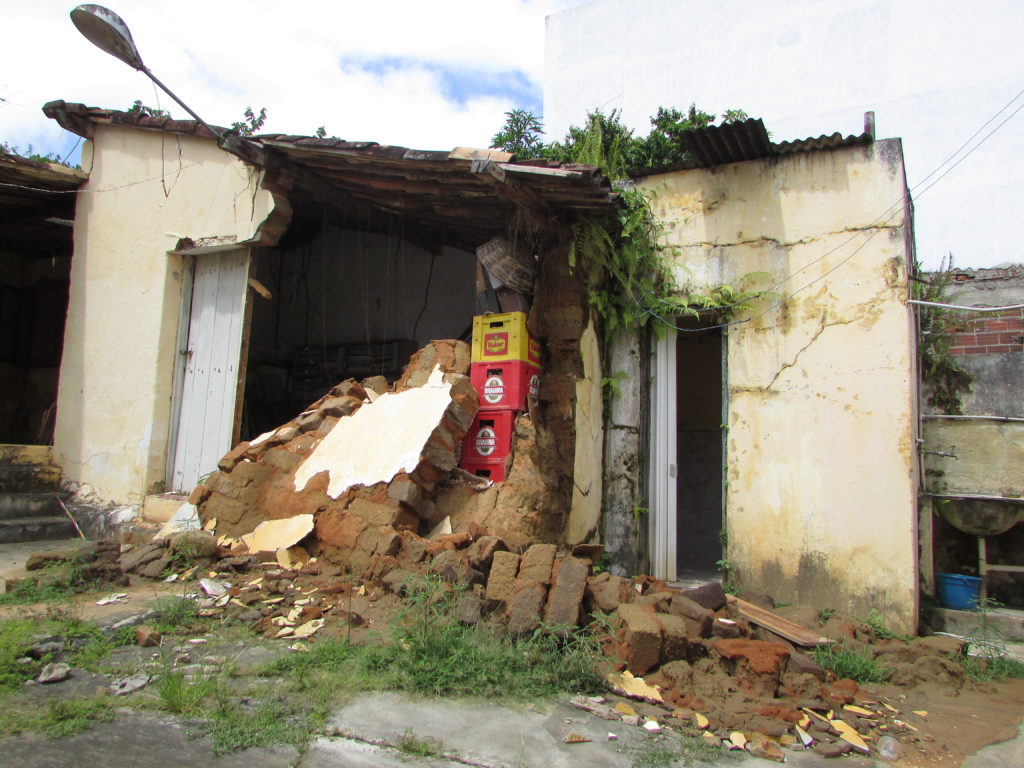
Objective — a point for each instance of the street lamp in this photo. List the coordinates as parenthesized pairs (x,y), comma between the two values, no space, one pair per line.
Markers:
(108,32)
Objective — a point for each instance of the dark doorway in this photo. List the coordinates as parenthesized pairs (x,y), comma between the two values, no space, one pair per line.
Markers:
(699,364)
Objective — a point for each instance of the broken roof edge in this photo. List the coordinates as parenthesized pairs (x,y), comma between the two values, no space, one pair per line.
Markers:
(82,120)
(60,177)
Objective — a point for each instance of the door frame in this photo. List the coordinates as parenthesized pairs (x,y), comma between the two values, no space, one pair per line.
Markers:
(182,353)
(664,465)
(664,469)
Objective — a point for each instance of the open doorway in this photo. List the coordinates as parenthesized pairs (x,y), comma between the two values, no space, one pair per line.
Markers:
(700,452)
(338,300)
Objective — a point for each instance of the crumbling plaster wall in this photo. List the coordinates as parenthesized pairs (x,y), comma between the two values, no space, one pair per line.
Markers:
(146,192)
(821,476)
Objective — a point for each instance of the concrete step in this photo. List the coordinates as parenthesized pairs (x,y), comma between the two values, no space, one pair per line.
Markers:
(35,529)
(1007,623)
(16,478)
(31,505)
(41,455)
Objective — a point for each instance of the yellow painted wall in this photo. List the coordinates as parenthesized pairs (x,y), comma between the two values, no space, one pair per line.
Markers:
(821,483)
(146,192)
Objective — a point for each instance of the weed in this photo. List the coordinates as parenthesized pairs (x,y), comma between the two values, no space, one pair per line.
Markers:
(874,620)
(56,582)
(859,666)
(410,744)
(182,696)
(174,614)
(426,651)
(825,614)
(16,637)
(989,659)
(232,728)
(667,751)
(56,717)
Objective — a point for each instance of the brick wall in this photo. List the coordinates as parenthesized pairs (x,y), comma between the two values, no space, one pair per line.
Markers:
(992,333)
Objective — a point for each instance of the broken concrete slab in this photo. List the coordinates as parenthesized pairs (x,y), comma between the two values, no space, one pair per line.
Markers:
(492,735)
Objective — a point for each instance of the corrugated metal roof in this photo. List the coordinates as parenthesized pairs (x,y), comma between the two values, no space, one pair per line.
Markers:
(730,143)
(749,140)
(834,141)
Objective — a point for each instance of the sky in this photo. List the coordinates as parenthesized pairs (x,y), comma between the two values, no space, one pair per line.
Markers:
(422,75)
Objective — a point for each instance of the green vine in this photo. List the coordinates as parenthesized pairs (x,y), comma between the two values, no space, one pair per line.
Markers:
(629,281)
(945,381)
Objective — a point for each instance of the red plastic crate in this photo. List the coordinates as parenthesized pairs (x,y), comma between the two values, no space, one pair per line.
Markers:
(489,438)
(492,470)
(506,385)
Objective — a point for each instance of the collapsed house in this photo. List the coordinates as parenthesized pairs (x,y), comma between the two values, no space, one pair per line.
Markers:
(213,299)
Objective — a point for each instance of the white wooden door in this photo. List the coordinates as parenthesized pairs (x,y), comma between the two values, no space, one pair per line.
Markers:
(212,354)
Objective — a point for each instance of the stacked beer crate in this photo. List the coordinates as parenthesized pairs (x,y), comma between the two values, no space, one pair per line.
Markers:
(505,370)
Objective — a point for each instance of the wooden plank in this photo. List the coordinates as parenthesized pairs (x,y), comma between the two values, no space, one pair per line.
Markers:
(780,626)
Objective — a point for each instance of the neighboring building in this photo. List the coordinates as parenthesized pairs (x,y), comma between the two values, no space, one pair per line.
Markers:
(974,460)
(791,430)
(934,73)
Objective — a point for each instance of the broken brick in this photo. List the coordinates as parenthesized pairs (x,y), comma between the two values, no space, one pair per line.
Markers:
(502,577)
(710,595)
(372,513)
(481,552)
(537,563)
(341,406)
(524,607)
(569,579)
(451,566)
(640,634)
(697,618)
(232,457)
(675,642)
(607,591)
(147,637)
(339,529)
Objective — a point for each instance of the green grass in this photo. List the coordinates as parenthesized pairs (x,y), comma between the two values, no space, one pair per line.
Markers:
(859,666)
(54,718)
(409,743)
(882,632)
(184,696)
(174,614)
(667,751)
(16,637)
(55,582)
(233,729)
(427,652)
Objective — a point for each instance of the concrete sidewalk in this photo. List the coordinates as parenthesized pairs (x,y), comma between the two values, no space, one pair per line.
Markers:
(366,732)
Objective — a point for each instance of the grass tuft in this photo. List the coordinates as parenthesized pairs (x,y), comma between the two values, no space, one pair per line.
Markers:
(56,717)
(410,744)
(55,582)
(859,666)
(183,696)
(174,614)
(232,728)
(668,751)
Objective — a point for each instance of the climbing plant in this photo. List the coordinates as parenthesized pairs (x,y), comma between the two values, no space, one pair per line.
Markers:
(945,381)
(628,276)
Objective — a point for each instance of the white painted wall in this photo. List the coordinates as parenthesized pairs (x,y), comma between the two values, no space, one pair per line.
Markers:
(146,191)
(932,70)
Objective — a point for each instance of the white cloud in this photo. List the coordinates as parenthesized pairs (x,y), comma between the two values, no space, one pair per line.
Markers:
(221,57)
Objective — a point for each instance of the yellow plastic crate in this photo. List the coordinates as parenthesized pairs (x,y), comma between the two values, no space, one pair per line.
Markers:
(498,338)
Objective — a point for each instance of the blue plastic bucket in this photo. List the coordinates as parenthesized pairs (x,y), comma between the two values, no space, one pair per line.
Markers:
(958,592)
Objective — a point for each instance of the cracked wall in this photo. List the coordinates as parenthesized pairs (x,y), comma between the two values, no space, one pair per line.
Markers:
(820,451)
(146,193)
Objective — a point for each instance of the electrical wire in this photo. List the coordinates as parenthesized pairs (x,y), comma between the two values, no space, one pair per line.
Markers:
(875,226)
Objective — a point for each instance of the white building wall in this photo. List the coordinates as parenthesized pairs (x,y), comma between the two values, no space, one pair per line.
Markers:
(933,71)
